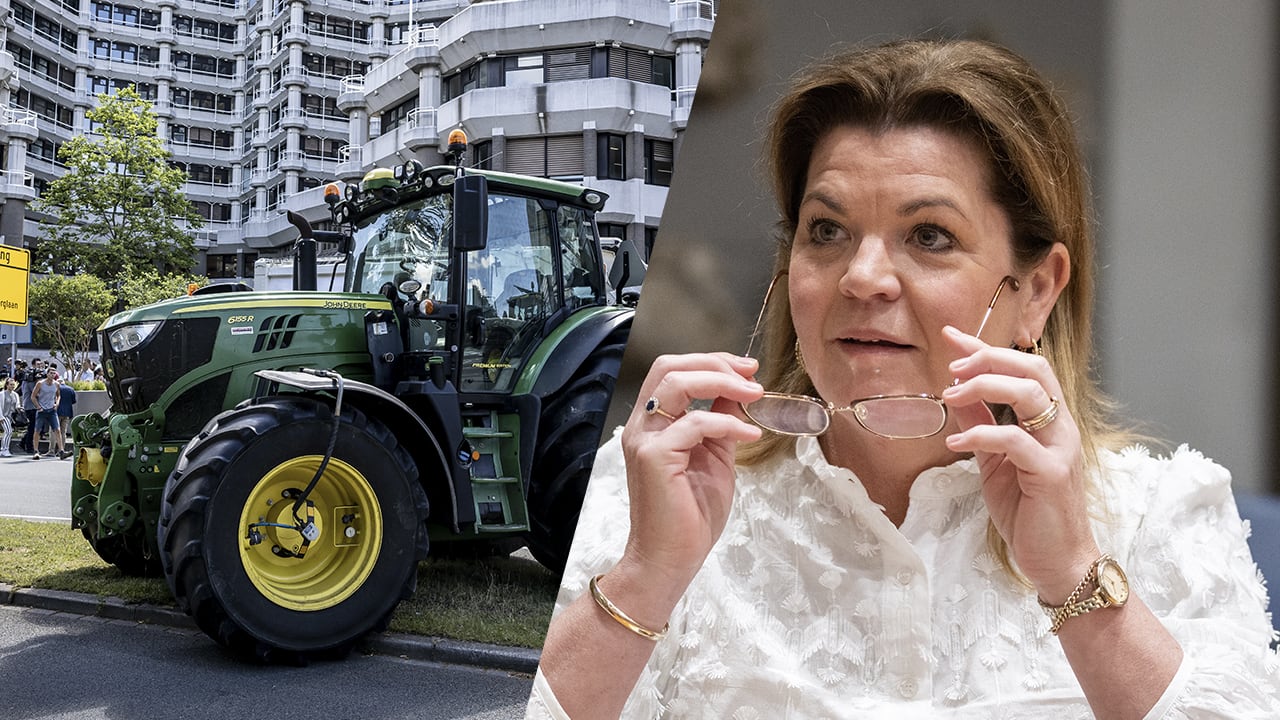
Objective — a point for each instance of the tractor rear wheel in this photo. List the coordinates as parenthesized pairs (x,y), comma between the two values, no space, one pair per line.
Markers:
(568,437)
(233,557)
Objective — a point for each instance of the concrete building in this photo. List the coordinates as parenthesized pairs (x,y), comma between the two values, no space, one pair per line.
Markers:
(265,101)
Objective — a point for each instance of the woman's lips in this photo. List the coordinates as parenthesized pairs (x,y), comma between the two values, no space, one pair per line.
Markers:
(874,343)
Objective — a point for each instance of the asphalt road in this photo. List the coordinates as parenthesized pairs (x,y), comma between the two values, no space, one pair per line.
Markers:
(64,665)
(35,489)
(61,666)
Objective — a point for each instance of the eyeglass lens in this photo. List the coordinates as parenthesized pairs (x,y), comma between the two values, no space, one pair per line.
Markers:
(898,417)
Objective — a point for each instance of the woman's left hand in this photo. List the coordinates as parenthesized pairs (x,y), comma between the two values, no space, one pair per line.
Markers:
(1033,480)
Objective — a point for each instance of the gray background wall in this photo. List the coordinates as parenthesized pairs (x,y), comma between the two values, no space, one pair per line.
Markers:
(1175,102)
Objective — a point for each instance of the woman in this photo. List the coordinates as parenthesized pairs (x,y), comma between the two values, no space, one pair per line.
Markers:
(9,404)
(936,242)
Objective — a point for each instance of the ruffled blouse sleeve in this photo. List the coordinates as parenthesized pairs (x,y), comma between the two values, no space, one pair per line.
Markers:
(598,543)
(1185,551)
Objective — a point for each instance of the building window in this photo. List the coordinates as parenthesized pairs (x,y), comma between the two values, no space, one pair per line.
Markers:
(611,156)
(227,266)
(523,70)
(650,239)
(633,64)
(568,64)
(558,157)
(612,230)
(664,71)
(482,155)
(395,116)
(658,159)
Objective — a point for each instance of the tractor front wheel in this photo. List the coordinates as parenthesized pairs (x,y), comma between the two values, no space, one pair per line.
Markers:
(229,533)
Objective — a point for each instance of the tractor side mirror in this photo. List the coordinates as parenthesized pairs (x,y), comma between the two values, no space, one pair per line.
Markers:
(470,213)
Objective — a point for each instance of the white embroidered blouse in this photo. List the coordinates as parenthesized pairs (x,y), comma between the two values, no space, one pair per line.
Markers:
(813,605)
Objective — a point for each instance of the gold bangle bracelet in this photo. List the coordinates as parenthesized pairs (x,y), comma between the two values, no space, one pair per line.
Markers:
(622,618)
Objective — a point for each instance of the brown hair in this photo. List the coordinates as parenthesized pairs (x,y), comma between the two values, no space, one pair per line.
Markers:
(982,91)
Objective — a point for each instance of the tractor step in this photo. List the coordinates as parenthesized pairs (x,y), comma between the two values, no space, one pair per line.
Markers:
(495,481)
(518,527)
(484,432)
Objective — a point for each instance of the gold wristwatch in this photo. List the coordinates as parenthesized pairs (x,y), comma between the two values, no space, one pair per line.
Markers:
(1110,589)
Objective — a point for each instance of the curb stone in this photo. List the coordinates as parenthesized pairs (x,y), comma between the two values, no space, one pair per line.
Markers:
(413,647)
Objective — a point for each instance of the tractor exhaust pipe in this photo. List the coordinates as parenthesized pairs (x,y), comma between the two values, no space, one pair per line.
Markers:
(304,253)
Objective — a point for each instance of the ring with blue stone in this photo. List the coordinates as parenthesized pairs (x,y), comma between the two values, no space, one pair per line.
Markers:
(654,407)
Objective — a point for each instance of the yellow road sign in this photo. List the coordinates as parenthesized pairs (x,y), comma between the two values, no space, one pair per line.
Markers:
(15,264)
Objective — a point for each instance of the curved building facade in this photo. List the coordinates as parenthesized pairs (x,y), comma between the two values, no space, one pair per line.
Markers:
(263,102)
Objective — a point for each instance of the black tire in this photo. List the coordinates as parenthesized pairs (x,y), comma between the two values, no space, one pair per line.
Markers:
(219,578)
(568,437)
(128,551)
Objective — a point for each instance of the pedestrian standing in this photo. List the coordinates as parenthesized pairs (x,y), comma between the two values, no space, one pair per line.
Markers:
(28,379)
(10,403)
(66,410)
(45,398)
(86,372)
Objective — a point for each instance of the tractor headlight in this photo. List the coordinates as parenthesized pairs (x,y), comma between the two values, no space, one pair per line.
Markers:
(126,338)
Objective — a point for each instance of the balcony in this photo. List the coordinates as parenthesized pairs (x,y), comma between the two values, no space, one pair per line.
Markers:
(419,129)
(615,105)
(683,104)
(293,160)
(692,19)
(293,118)
(19,185)
(296,34)
(8,66)
(20,124)
(265,230)
(187,151)
(397,76)
(350,163)
(351,96)
(295,76)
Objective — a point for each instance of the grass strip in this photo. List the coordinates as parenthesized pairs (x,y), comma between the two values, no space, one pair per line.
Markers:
(501,600)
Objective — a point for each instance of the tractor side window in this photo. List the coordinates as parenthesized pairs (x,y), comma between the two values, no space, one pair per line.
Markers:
(513,277)
(581,277)
(511,289)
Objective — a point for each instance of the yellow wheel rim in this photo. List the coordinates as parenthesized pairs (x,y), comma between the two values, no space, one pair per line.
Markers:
(337,562)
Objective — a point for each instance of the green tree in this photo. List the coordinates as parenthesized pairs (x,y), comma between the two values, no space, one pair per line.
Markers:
(119,207)
(65,311)
(148,286)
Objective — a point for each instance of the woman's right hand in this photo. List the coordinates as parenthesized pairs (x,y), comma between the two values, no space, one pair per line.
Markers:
(680,473)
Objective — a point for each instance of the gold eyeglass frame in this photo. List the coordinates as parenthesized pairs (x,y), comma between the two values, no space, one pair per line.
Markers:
(828,408)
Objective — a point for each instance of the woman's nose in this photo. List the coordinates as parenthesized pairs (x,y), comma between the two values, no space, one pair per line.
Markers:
(869,271)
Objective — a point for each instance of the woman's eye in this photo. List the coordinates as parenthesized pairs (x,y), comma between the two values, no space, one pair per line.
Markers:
(824,231)
(933,238)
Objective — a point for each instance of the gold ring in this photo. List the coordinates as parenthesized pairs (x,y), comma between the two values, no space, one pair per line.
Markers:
(654,407)
(1050,413)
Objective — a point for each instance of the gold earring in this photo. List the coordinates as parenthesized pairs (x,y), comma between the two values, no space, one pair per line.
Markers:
(800,357)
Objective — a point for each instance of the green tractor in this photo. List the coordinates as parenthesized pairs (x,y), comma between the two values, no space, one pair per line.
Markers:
(286,458)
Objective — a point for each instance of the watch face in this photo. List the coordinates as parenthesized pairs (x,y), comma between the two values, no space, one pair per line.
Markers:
(1112,582)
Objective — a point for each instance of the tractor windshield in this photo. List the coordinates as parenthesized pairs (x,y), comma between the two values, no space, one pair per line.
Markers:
(405,243)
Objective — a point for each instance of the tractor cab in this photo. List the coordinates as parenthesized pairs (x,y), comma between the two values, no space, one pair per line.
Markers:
(474,315)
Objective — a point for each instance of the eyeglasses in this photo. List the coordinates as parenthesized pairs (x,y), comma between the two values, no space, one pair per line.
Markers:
(896,417)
